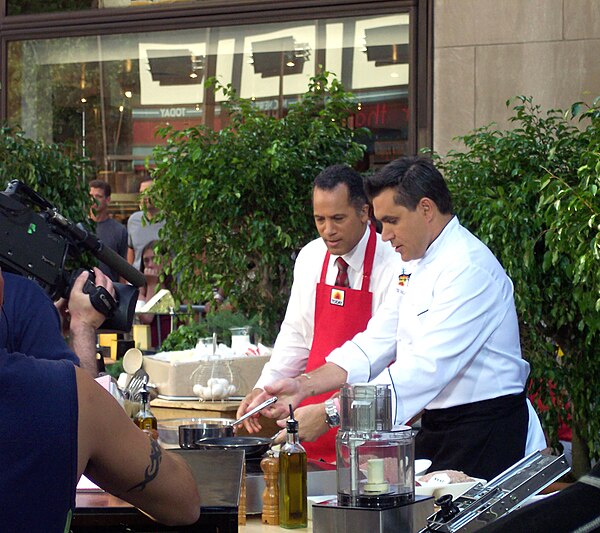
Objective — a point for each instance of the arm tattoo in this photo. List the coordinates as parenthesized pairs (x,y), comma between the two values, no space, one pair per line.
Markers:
(152,469)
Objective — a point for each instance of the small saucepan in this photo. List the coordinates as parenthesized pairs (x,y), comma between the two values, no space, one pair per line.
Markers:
(190,433)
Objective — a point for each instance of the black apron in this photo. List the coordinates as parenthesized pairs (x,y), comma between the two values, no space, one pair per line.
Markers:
(481,439)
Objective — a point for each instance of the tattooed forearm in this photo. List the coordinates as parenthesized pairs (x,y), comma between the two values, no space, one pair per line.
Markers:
(152,469)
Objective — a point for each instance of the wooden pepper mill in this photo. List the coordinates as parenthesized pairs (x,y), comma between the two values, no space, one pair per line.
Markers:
(270,466)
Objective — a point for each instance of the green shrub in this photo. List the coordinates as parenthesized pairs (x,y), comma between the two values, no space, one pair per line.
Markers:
(531,194)
(237,202)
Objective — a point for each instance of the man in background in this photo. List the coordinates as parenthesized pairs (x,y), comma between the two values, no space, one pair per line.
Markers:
(141,229)
(112,233)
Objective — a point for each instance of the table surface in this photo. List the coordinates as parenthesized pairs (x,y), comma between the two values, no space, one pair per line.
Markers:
(255,525)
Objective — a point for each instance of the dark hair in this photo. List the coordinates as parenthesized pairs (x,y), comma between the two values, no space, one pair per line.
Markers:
(329,178)
(412,178)
(99,184)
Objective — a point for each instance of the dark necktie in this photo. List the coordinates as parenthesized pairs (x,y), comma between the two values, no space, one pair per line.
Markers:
(342,277)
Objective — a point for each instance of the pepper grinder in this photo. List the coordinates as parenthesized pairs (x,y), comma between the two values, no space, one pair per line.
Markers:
(270,511)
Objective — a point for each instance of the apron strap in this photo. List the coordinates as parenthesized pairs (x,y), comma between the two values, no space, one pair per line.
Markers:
(369,257)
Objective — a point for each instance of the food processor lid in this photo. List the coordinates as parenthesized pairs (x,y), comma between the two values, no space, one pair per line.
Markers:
(366,407)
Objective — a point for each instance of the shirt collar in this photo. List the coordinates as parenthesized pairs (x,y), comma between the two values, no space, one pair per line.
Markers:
(438,242)
(356,256)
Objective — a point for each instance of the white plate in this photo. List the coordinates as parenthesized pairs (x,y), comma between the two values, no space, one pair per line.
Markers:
(421,466)
(455,489)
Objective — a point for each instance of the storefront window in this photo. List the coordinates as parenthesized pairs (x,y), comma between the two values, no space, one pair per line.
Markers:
(107,94)
(31,7)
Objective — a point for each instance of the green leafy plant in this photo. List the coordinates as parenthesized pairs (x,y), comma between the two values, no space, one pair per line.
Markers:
(49,169)
(237,202)
(530,193)
(186,337)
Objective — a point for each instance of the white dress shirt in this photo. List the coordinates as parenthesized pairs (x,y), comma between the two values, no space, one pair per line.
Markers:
(295,337)
(452,330)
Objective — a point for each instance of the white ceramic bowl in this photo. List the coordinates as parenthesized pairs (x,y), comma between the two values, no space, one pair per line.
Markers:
(421,466)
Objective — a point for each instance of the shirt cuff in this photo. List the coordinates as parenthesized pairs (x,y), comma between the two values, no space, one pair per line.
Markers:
(353,360)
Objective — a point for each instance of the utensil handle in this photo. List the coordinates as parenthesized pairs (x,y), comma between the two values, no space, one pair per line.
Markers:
(259,407)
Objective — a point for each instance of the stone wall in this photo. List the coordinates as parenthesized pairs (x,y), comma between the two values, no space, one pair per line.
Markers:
(487,51)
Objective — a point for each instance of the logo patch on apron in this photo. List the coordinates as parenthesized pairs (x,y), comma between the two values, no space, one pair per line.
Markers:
(337,297)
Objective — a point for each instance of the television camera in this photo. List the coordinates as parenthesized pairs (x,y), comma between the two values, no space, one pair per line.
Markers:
(36,241)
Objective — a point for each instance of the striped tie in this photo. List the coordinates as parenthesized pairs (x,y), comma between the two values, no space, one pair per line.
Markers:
(342,278)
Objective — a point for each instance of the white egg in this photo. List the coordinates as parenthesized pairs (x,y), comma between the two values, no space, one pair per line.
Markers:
(231,389)
(217,391)
(197,389)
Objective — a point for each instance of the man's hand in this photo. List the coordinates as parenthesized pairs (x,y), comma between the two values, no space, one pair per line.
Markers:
(311,423)
(251,423)
(80,308)
(287,390)
(84,320)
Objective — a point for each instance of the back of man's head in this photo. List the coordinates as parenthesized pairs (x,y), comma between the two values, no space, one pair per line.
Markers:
(412,178)
(329,178)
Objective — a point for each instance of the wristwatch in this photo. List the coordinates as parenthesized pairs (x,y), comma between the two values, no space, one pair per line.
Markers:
(332,417)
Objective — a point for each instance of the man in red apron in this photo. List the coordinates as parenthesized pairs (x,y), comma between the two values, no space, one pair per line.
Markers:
(329,303)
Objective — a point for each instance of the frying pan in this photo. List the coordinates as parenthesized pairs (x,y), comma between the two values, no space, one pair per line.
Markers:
(253,446)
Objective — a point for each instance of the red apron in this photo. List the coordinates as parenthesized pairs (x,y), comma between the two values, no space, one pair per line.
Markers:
(340,313)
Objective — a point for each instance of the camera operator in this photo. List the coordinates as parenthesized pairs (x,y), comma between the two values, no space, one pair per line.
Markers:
(30,323)
(57,424)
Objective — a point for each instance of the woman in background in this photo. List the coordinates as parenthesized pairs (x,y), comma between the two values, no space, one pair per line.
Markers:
(160,325)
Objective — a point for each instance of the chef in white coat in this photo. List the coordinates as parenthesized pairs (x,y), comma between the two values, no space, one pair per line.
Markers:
(447,336)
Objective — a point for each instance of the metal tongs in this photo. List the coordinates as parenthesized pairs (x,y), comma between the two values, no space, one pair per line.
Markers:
(258,408)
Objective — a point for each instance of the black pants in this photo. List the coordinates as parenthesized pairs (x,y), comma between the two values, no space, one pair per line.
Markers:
(482,439)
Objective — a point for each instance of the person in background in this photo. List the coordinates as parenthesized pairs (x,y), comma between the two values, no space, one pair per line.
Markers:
(112,233)
(160,325)
(329,304)
(57,423)
(141,229)
(447,338)
(30,323)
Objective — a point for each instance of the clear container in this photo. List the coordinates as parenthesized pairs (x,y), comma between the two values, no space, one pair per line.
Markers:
(375,461)
(240,339)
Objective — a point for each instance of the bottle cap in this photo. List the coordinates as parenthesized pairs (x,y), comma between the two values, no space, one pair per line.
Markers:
(144,393)
(292,423)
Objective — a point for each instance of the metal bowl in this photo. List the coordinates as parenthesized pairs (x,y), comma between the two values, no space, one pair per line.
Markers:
(191,433)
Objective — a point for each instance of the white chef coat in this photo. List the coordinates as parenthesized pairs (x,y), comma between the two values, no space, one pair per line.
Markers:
(451,332)
(295,337)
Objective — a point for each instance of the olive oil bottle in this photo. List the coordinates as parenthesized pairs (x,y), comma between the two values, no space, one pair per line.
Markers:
(292,480)
(145,419)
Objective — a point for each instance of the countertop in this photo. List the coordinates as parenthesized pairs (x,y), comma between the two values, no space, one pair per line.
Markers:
(254,525)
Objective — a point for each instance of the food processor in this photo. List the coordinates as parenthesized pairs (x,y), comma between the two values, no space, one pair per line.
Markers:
(375,469)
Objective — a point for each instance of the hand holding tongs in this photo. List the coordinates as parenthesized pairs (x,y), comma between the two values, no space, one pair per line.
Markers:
(258,408)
